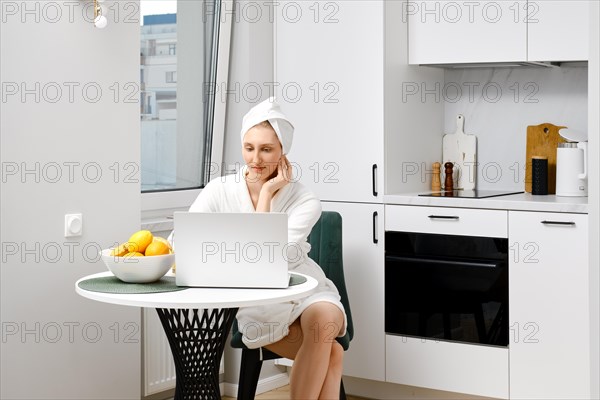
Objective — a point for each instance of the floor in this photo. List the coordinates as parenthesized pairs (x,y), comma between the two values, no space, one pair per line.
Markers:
(282,393)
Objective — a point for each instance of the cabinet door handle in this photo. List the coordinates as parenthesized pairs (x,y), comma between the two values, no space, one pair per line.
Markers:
(561,223)
(375,240)
(375,180)
(452,217)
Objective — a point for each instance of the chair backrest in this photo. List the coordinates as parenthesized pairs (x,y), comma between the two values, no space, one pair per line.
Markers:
(326,250)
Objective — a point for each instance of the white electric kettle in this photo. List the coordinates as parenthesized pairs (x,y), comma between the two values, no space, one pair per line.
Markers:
(571,165)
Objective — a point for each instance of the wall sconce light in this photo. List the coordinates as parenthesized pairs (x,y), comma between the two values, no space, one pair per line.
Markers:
(100,20)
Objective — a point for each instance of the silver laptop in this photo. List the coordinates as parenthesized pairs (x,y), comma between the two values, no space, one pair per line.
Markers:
(231,249)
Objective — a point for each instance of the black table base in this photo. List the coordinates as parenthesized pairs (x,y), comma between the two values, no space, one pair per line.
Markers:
(197,339)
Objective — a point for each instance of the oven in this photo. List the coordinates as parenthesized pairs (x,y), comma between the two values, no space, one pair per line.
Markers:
(447,287)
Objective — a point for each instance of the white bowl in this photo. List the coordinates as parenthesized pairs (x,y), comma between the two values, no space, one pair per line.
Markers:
(138,269)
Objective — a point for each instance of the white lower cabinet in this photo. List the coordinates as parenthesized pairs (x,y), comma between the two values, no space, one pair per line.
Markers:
(548,354)
(454,367)
(363,272)
(549,306)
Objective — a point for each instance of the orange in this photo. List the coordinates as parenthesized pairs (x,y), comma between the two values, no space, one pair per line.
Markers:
(157,248)
(139,241)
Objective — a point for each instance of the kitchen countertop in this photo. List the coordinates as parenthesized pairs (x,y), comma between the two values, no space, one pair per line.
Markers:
(518,202)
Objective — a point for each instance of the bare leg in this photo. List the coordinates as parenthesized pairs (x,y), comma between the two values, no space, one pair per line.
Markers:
(310,344)
(288,346)
(331,386)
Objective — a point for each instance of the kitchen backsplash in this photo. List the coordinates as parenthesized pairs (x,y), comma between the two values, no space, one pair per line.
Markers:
(499,104)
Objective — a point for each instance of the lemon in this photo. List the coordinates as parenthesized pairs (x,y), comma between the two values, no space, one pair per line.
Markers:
(166,242)
(120,250)
(157,248)
(139,241)
(133,254)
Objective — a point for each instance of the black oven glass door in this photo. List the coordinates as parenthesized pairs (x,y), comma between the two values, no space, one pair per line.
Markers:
(447,287)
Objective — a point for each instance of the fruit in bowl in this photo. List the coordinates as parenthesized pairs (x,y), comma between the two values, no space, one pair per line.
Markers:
(143,258)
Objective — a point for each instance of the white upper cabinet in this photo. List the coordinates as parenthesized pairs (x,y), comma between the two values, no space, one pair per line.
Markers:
(558,30)
(443,32)
(329,70)
(449,32)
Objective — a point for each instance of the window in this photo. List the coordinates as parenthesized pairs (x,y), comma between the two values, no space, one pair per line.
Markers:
(184,55)
(171,77)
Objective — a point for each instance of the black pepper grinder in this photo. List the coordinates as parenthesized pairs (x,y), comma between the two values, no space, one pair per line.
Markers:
(449,183)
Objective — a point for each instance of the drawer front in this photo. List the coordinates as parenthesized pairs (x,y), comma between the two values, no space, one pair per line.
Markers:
(447,221)
(454,367)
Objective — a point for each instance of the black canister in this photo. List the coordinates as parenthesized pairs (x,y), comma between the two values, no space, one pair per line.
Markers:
(539,175)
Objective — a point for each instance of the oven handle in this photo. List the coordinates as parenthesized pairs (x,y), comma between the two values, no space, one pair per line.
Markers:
(449,263)
(446,217)
(562,223)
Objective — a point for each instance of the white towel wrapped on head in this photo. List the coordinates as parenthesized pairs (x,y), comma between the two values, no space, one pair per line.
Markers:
(269,110)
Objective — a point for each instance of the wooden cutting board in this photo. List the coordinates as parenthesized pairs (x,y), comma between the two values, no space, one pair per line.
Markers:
(460,149)
(542,140)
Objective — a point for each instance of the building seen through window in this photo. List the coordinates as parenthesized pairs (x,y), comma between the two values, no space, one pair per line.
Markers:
(176,46)
(159,101)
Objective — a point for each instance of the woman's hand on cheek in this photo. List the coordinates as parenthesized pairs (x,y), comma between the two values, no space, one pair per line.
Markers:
(283,177)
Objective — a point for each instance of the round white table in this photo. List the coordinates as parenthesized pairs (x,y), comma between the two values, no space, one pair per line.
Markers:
(196,322)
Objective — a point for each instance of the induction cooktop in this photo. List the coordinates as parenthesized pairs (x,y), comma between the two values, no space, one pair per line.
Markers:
(471,194)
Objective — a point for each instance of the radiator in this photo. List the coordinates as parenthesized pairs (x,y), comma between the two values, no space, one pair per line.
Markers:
(159,369)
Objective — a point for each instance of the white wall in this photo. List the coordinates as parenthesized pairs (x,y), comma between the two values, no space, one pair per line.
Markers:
(412,125)
(594,196)
(56,344)
(250,70)
(499,104)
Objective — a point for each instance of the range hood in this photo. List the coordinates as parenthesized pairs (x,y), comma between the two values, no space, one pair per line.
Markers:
(508,64)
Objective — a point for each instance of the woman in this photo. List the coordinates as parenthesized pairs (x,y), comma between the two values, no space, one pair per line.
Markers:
(303,330)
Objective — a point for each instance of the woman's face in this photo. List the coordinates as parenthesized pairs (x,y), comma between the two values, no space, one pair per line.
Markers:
(261,151)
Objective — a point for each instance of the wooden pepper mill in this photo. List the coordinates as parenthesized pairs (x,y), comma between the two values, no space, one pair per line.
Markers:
(449,183)
(436,183)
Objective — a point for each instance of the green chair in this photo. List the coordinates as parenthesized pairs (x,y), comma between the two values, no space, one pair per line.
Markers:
(326,250)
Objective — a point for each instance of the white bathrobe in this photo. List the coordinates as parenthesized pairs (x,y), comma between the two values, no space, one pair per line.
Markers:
(261,325)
